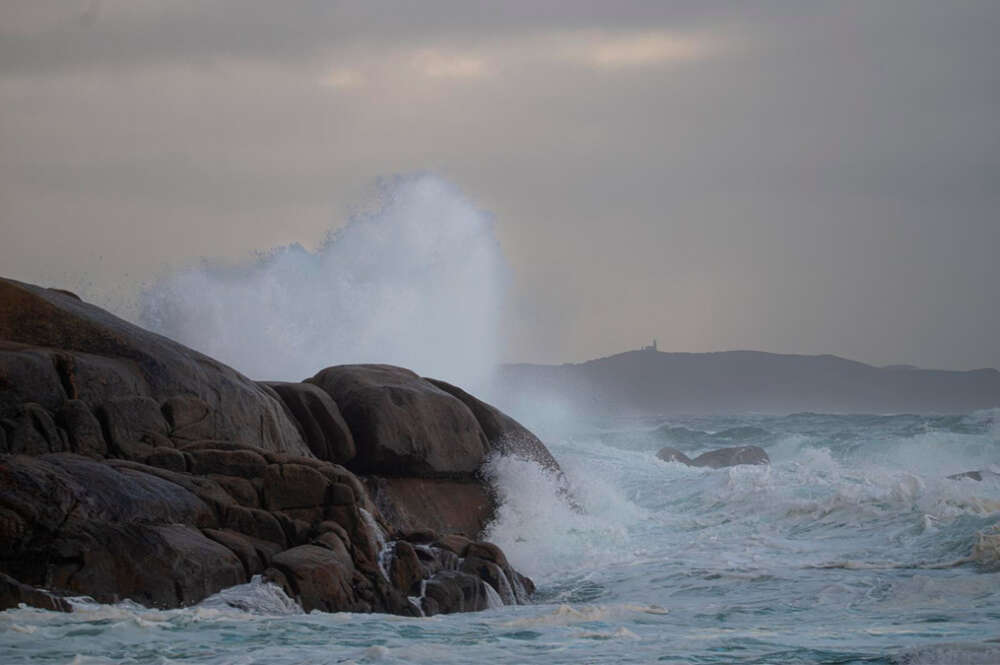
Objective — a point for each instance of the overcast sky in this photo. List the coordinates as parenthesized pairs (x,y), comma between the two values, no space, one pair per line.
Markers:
(784,176)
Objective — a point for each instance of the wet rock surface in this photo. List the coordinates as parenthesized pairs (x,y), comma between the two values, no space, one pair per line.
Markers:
(134,468)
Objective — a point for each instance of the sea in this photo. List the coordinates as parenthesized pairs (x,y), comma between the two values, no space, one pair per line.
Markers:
(852,546)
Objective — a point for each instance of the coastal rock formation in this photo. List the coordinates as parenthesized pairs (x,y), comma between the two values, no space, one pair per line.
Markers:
(402,424)
(134,468)
(56,348)
(504,435)
(717,459)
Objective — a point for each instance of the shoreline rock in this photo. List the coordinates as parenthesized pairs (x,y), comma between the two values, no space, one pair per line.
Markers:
(133,467)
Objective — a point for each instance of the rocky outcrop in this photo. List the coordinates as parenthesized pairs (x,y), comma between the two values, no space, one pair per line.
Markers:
(323,428)
(717,459)
(504,435)
(13,593)
(402,424)
(56,347)
(133,467)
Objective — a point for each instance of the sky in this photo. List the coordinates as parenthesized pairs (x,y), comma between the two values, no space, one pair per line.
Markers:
(795,177)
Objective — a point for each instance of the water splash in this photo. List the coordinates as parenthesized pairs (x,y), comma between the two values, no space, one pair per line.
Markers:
(418,282)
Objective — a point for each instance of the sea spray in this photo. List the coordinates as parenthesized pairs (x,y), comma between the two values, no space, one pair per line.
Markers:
(416,282)
(549,524)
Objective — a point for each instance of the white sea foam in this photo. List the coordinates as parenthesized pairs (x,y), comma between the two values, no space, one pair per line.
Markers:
(569,615)
(254,597)
(549,525)
(418,283)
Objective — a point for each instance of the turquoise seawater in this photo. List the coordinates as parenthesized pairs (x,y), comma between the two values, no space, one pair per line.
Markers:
(851,547)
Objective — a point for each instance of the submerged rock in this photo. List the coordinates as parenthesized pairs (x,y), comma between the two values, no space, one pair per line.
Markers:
(975,475)
(669,454)
(717,459)
(133,467)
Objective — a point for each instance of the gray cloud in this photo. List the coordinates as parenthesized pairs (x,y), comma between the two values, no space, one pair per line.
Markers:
(788,177)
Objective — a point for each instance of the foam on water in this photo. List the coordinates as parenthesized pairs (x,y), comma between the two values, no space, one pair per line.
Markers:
(550,525)
(418,282)
(851,547)
(255,597)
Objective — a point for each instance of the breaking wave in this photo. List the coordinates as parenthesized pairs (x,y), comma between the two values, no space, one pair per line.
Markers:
(417,282)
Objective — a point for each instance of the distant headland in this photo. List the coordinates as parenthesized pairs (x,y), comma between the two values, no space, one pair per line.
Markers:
(652,382)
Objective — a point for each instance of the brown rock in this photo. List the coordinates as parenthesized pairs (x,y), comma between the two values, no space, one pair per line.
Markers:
(117,359)
(78,488)
(242,546)
(508,582)
(319,579)
(440,505)
(338,474)
(32,431)
(191,418)
(13,593)
(493,575)
(82,429)
(293,486)
(505,435)
(403,425)
(240,463)
(210,493)
(133,425)
(241,489)
(452,591)
(158,566)
(166,458)
(454,543)
(335,544)
(405,570)
(319,420)
(254,522)
(27,375)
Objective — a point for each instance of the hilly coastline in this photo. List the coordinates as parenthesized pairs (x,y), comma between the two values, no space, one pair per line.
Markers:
(651,382)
